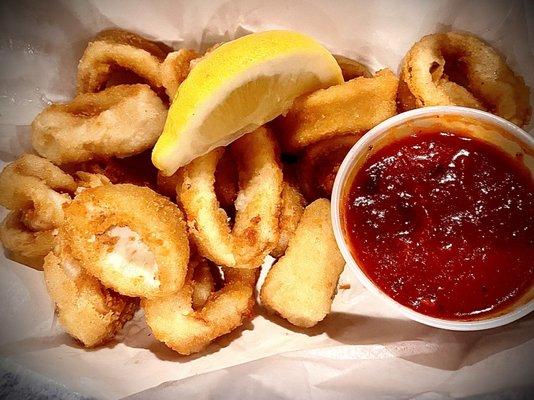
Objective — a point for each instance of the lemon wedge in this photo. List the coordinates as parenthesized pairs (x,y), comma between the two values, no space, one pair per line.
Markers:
(238,87)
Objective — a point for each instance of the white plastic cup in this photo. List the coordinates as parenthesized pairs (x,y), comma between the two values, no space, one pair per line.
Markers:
(505,135)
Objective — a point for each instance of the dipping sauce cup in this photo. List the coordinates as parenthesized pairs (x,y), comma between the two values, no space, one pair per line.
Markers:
(469,123)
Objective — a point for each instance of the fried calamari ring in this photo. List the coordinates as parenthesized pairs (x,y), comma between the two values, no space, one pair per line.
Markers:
(87,310)
(318,167)
(26,246)
(175,69)
(175,322)
(116,49)
(120,121)
(352,69)
(460,69)
(38,188)
(255,231)
(352,107)
(130,238)
(300,286)
(293,205)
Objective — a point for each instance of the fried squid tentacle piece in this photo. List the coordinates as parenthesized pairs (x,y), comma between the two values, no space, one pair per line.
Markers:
(130,238)
(352,107)
(115,49)
(460,69)
(293,204)
(175,322)
(300,286)
(120,121)
(87,310)
(255,231)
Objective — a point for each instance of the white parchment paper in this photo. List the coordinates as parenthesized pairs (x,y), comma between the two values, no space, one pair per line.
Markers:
(363,349)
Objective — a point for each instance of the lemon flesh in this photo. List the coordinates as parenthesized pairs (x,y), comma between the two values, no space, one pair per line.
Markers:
(238,87)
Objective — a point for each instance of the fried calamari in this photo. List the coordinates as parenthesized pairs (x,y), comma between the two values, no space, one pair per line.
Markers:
(175,322)
(300,286)
(318,166)
(292,207)
(114,51)
(87,310)
(120,121)
(460,69)
(255,231)
(38,188)
(352,107)
(130,238)
(175,69)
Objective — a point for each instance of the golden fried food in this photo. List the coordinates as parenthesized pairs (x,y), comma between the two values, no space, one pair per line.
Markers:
(460,69)
(87,310)
(117,122)
(130,238)
(115,50)
(353,107)
(38,188)
(175,322)
(87,180)
(137,170)
(255,231)
(175,68)
(352,69)
(204,282)
(23,244)
(300,286)
(318,167)
(293,205)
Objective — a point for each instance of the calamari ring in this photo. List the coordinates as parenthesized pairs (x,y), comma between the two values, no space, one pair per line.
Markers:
(352,69)
(318,167)
(87,310)
(120,121)
(114,49)
(175,322)
(38,188)
(352,107)
(255,231)
(293,204)
(25,245)
(460,69)
(175,68)
(130,238)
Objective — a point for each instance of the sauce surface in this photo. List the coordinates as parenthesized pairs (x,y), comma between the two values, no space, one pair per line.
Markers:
(444,224)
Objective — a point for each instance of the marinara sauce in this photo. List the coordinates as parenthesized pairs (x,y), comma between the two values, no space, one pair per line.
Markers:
(444,224)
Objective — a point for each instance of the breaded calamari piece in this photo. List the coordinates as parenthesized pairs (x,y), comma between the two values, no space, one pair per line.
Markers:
(456,68)
(293,204)
(117,122)
(38,188)
(255,231)
(115,49)
(300,286)
(351,107)
(175,69)
(86,310)
(130,238)
(25,245)
(175,322)
(318,166)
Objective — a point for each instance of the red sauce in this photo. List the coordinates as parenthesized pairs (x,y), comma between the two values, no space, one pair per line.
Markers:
(444,225)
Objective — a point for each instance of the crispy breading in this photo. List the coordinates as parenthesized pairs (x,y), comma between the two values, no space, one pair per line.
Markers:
(300,286)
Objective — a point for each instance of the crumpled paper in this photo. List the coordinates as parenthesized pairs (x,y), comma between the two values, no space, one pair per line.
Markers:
(363,349)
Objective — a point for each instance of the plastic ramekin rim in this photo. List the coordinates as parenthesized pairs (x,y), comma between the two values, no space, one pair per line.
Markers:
(346,168)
